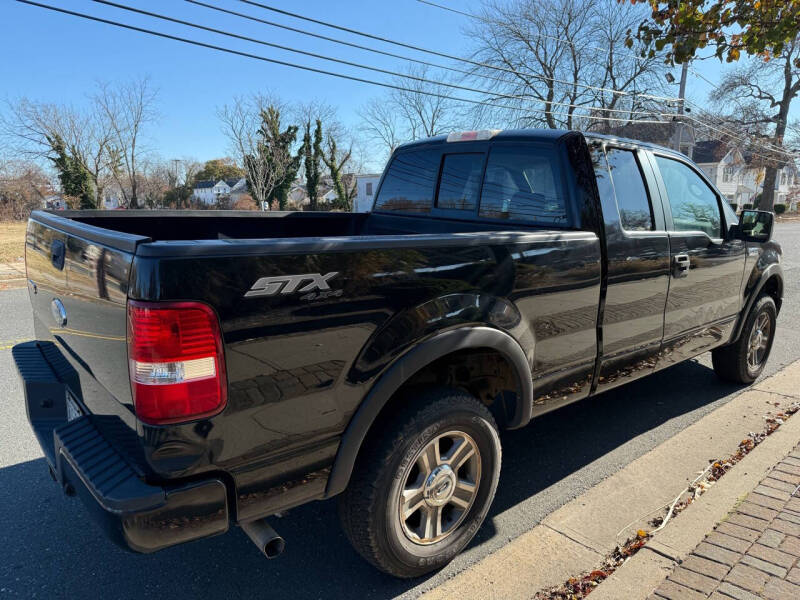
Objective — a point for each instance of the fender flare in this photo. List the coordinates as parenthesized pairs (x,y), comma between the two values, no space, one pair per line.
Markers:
(772,270)
(410,363)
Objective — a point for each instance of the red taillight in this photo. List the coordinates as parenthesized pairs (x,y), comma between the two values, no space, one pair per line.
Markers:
(175,361)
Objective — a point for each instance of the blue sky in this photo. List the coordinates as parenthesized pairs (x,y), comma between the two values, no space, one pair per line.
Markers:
(57,58)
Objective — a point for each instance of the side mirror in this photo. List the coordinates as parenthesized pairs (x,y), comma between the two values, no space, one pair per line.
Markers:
(755,226)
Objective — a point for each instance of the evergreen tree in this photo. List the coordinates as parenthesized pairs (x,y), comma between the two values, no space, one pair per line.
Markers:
(75,179)
(313,157)
(273,163)
(345,191)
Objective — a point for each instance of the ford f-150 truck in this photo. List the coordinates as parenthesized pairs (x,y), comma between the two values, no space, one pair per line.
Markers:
(199,370)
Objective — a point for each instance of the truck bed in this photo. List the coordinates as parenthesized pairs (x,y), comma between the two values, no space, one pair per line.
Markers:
(297,368)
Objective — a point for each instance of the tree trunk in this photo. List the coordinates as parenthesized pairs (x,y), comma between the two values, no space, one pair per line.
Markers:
(768,190)
(771,171)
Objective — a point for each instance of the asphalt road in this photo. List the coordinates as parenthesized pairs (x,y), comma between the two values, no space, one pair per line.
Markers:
(50,549)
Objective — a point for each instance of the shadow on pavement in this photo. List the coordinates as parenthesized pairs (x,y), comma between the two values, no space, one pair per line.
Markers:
(51,549)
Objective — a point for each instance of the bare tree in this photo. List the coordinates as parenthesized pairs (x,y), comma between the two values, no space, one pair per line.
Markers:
(155,179)
(767,90)
(23,187)
(536,52)
(185,169)
(424,114)
(381,124)
(327,114)
(621,68)
(36,130)
(240,123)
(128,108)
(252,125)
(548,62)
(418,109)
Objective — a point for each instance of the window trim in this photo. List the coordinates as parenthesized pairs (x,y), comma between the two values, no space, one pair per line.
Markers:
(724,225)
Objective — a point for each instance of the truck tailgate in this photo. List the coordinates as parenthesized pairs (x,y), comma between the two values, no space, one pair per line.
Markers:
(77,282)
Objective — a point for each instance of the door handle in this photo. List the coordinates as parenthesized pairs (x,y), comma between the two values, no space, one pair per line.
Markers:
(680,265)
(57,253)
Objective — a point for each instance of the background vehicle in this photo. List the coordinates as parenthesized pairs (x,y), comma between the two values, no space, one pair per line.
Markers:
(197,370)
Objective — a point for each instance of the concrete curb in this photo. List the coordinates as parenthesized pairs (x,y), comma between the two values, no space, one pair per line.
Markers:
(576,537)
(645,571)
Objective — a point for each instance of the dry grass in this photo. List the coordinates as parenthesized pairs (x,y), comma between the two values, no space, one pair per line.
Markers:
(12,241)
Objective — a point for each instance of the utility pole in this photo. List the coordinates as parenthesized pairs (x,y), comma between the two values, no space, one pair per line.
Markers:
(681,103)
(175,163)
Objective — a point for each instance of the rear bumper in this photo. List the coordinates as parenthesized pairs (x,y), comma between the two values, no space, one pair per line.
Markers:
(136,515)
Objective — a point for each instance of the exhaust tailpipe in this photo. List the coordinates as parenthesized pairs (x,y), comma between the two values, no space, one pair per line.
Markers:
(264,537)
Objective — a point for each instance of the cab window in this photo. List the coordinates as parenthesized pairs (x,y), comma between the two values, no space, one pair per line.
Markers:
(693,203)
(460,182)
(409,183)
(633,202)
(521,184)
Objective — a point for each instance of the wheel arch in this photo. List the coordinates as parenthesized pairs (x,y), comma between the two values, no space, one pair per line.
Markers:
(770,282)
(412,362)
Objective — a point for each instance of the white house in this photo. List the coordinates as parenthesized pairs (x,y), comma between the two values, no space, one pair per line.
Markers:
(739,178)
(367,185)
(209,191)
(54,202)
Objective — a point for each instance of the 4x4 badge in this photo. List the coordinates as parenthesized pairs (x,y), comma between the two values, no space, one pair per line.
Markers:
(289,284)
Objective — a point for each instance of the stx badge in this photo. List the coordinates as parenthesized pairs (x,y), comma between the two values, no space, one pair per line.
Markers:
(289,284)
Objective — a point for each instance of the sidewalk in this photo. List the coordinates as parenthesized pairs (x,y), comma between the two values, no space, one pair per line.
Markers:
(12,275)
(753,552)
(578,538)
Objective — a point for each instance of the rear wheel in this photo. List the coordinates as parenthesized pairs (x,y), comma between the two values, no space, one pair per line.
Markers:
(745,359)
(423,483)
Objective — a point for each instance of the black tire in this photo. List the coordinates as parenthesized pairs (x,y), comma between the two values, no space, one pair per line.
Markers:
(370,507)
(731,362)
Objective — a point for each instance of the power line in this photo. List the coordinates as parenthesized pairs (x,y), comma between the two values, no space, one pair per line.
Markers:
(341,41)
(773,147)
(353,64)
(340,75)
(745,140)
(457,11)
(450,56)
(769,146)
(314,69)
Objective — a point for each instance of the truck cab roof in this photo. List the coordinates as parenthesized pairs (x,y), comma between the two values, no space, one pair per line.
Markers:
(544,135)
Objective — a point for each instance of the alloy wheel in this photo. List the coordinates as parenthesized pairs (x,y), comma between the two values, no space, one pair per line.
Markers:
(759,341)
(440,487)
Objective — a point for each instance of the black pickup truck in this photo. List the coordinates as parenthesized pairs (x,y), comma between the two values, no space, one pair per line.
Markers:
(199,370)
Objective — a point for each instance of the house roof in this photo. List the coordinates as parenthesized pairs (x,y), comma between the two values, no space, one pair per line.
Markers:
(710,151)
(209,183)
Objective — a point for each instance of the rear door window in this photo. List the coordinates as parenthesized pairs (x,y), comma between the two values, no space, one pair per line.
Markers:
(633,202)
(522,184)
(460,182)
(409,183)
